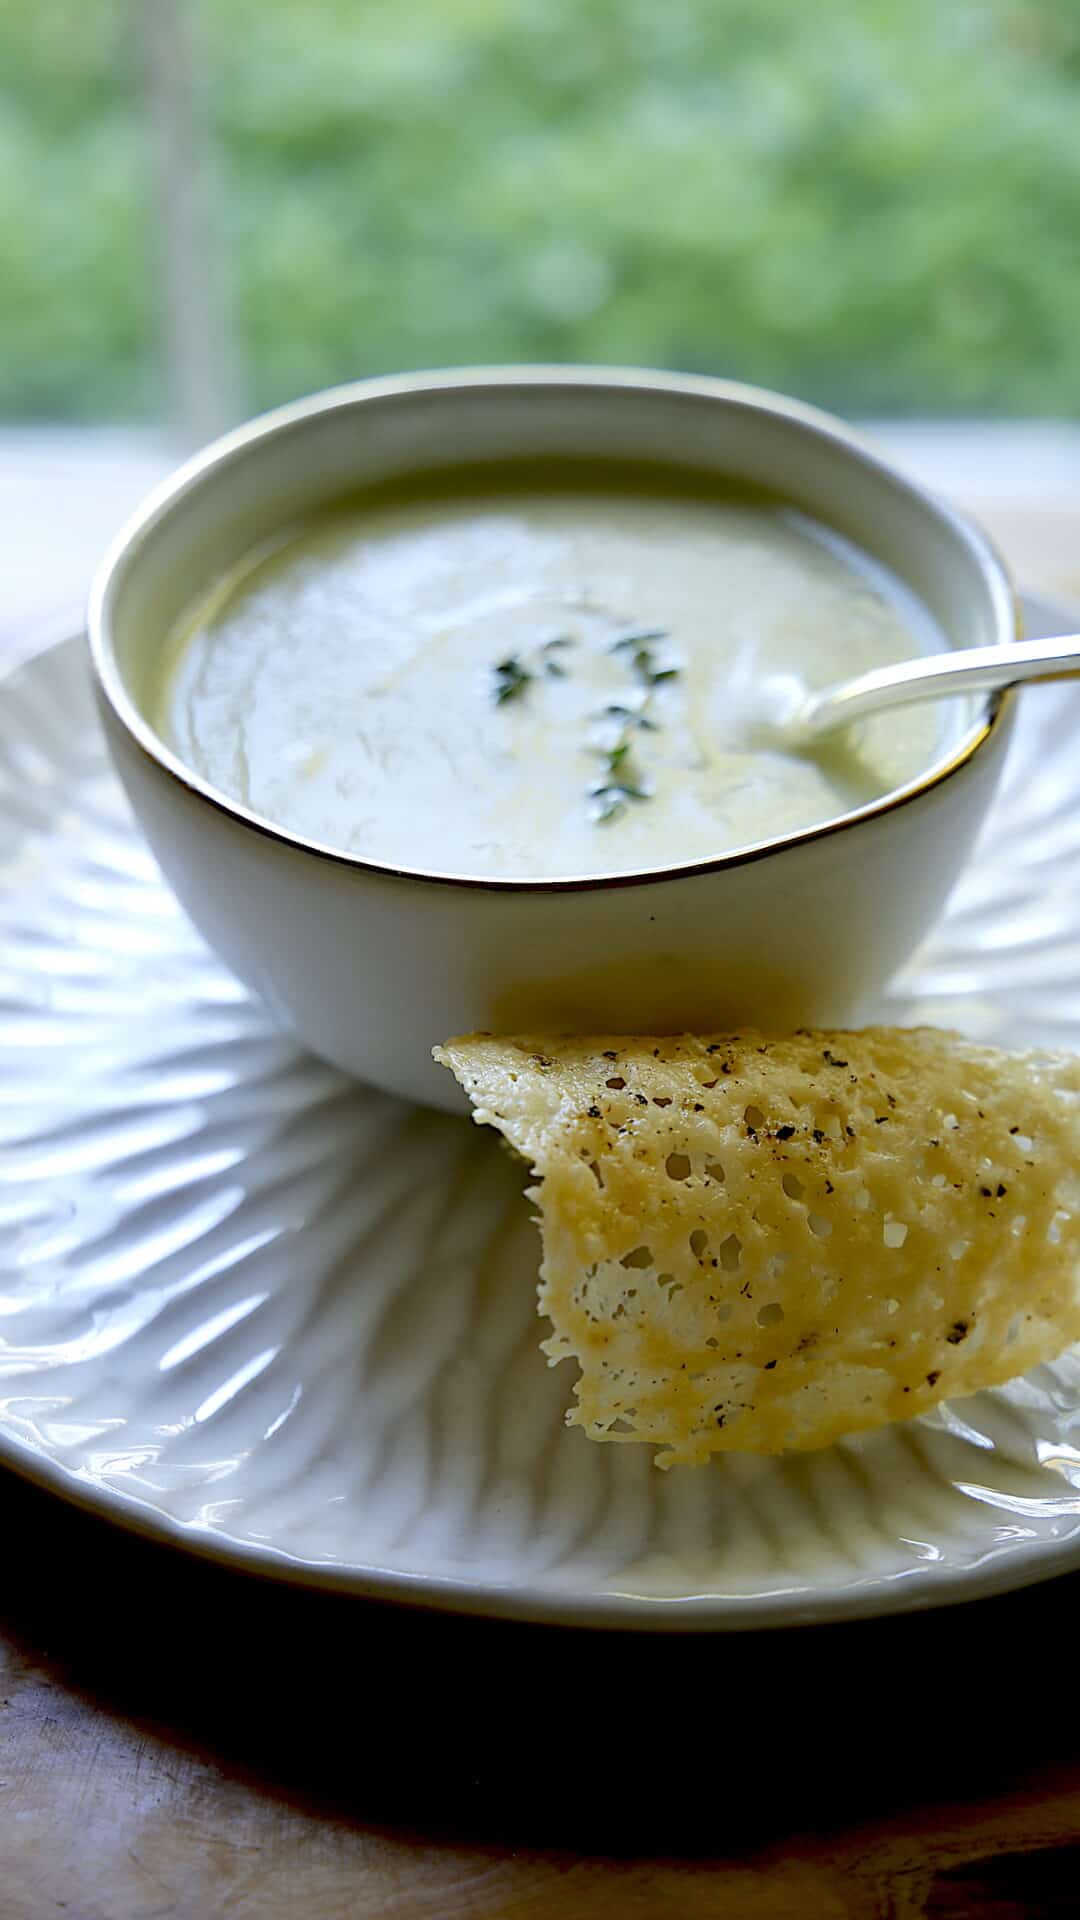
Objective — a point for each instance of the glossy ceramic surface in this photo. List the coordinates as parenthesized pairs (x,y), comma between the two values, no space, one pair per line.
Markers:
(289,1323)
(371,965)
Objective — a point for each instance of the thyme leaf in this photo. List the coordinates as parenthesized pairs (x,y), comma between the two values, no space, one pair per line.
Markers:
(629,642)
(642,658)
(621,783)
(610,799)
(609,802)
(511,680)
(512,676)
(551,647)
(628,717)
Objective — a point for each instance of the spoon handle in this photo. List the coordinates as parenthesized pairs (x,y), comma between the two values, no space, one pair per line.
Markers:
(967,670)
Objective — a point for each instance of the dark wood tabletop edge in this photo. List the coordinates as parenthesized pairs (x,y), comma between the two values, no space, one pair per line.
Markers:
(502,1731)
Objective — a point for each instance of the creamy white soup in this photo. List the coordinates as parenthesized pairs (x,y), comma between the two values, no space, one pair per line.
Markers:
(539,674)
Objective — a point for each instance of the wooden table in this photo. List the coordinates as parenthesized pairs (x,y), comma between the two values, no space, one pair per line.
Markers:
(178,1741)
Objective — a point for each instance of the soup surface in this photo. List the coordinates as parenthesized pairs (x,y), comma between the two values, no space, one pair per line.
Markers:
(526,674)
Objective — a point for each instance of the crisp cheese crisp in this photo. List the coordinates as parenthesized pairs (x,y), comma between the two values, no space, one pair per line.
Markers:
(764,1243)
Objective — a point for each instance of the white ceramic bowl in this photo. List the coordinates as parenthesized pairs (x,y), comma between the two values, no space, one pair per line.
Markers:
(372,964)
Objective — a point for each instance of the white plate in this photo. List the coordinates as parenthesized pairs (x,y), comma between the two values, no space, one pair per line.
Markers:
(288,1323)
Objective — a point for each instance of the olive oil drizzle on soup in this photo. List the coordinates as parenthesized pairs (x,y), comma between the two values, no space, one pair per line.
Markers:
(540,673)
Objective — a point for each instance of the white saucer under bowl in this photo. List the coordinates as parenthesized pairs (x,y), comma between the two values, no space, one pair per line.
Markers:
(276,1319)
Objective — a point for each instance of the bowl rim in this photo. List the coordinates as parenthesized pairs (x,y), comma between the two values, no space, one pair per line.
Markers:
(237,444)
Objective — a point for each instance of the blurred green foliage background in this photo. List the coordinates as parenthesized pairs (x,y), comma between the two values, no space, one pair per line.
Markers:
(873,203)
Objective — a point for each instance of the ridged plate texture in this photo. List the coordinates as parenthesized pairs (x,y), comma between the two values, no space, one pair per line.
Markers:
(291,1323)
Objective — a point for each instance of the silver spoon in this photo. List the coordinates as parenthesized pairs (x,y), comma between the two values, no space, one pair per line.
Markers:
(801,719)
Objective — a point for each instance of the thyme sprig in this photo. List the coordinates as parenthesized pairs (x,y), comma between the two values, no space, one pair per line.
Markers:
(621,780)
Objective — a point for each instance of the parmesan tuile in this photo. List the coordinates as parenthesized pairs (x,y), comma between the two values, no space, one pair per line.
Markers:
(758,1243)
